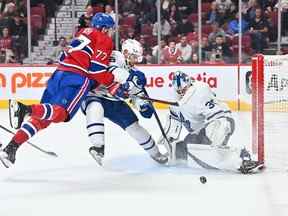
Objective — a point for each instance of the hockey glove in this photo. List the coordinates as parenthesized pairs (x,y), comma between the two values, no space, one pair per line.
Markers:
(119,91)
(146,110)
(137,78)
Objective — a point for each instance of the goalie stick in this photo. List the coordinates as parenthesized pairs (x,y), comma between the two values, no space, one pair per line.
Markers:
(169,147)
(146,97)
(53,154)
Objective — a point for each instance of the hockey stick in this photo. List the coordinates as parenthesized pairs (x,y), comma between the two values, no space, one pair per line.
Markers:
(146,97)
(53,154)
(159,123)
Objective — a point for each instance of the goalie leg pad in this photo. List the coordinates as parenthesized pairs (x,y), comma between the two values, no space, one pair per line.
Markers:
(220,130)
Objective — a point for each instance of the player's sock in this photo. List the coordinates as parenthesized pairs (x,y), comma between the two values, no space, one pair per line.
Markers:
(53,113)
(29,129)
(146,141)
(95,128)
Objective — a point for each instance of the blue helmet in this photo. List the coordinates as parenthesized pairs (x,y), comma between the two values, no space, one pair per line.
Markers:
(102,20)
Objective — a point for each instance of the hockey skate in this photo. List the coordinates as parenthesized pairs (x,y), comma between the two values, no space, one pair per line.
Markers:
(17,113)
(160,158)
(8,154)
(97,153)
(248,165)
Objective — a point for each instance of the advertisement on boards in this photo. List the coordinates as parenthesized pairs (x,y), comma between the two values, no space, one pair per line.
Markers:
(28,83)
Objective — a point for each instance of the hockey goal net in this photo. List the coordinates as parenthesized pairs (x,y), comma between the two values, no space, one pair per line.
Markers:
(269,84)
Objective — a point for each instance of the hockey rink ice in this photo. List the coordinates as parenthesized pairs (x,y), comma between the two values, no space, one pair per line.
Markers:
(130,183)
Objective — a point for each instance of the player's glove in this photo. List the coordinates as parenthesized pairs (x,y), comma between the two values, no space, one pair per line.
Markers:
(137,78)
(146,110)
(119,91)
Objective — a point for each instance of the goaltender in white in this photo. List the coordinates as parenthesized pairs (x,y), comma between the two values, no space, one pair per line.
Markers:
(208,121)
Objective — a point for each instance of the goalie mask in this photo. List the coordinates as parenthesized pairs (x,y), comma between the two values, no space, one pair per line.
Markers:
(181,82)
(133,51)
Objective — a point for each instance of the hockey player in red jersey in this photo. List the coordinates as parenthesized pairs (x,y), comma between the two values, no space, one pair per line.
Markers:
(83,64)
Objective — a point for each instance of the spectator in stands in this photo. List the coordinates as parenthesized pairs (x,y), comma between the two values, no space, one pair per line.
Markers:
(216,30)
(2,6)
(185,26)
(259,31)
(205,48)
(174,14)
(268,5)
(145,46)
(195,59)
(18,29)
(7,56)
(109,11)
(172,55)
(186,7)
(10,10)
(221,50)
(131,33)
(185,48)
(212,15)
(224,10)
(155,51)
(233,25)
(54,57)
(250,11)
(85,19)
(165,28)
(98,3)
(225,6)
(128,8)
(22,8)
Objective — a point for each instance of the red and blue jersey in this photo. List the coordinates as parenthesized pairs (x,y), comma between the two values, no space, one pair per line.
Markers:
(88,55)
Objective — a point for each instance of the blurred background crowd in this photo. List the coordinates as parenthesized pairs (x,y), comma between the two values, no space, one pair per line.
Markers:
(179,29)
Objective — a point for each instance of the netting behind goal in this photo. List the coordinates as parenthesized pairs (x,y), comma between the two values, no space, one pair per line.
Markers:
(269,86)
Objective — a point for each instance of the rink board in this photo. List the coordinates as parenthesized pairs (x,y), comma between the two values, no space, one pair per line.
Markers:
(27,83)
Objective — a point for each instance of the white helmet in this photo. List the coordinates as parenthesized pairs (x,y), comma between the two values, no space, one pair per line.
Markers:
(181,82)
(132,48)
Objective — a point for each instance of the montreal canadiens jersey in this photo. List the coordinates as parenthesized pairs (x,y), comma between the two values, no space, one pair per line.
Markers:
(199,106)
(116,61)
(88,55)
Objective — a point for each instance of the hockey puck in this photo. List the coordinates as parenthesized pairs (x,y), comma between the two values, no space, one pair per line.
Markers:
(203,179)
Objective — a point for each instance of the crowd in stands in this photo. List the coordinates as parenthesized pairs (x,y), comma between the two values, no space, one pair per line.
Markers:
(179,28)
(138,20)
(13,26)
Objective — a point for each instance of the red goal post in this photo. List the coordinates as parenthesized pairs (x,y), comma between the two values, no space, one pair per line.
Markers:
(257,86)
(269,84)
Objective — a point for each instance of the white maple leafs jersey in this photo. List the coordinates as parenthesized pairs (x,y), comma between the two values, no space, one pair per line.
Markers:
(199,106)
(120,70)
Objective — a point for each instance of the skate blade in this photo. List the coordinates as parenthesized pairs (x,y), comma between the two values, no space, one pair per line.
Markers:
(96,157)
(13,108)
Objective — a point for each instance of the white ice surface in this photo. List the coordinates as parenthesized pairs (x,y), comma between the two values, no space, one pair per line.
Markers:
(130,183)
